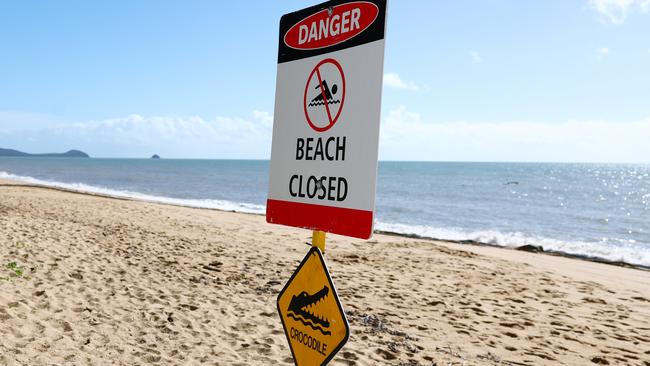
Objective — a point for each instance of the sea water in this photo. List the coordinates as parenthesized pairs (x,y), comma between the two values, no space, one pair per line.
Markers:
(595,210)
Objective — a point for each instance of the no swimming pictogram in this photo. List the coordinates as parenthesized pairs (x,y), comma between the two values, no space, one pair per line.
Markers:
(324,95)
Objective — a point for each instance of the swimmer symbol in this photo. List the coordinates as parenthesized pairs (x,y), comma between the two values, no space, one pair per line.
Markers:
(325,95)
(302,306)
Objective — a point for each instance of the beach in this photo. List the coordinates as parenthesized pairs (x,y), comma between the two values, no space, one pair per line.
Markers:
(94,280)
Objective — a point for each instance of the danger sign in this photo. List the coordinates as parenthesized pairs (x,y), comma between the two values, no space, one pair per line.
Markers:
(326,122)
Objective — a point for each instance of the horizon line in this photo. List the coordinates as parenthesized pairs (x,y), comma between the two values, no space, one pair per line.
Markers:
(380,160)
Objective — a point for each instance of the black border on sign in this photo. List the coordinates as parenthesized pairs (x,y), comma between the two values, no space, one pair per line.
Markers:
(336,297)
(374,32)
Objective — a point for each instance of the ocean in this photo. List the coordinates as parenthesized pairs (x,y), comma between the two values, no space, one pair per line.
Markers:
(594,210)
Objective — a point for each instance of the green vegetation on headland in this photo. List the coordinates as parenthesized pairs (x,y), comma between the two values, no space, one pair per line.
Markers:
(68,154)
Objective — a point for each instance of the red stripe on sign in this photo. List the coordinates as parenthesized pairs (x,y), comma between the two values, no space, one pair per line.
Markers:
(337,220)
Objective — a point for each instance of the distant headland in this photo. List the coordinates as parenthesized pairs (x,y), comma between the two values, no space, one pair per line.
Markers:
(20,154)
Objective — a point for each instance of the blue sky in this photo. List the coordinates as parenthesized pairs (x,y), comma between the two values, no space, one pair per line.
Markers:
(552,80)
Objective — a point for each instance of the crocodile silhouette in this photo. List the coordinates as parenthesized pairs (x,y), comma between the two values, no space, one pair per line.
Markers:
(319,100)
(300,309)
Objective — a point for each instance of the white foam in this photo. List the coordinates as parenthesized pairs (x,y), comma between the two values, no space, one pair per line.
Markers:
(606,251)
(198,203)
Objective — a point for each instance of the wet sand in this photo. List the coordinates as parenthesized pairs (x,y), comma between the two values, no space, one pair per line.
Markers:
(103,281)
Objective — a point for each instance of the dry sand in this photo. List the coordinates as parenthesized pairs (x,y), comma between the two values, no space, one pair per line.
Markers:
(117,282)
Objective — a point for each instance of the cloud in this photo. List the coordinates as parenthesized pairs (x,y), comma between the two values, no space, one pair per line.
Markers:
(393,80)
(616,11)
(405,135)
(645,6)
(476,57)
(264,117)
(602,52)
(138,136)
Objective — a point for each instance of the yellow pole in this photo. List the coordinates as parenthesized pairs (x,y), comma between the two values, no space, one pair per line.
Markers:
(318,240)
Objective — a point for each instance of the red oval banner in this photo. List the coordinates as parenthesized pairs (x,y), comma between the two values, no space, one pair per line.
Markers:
(322,29)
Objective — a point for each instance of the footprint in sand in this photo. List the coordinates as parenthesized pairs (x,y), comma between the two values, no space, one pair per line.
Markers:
(387,355)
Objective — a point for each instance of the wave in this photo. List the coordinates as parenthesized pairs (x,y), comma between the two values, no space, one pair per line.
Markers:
(222,205)
(592,250)
(308,322)
(329,101)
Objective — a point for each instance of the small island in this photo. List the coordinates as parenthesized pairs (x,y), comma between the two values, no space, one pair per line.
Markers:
(20,154)
(155,156)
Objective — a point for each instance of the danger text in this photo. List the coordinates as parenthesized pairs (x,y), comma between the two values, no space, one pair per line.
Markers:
(330,27)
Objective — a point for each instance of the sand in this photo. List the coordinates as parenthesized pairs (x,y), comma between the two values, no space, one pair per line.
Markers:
(116,282)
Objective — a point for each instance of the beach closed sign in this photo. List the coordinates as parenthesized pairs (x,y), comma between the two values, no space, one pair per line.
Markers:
(326,122)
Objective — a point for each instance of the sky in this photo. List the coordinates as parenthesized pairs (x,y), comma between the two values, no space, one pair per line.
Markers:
(502,80)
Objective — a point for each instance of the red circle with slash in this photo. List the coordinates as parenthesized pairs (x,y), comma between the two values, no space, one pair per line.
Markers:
(323,96)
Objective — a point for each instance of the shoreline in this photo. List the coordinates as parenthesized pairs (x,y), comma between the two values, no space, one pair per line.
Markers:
(532,249)
(17,183)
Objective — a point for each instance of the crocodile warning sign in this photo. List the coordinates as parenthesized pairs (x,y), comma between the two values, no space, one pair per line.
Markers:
(311,313)
(323,168)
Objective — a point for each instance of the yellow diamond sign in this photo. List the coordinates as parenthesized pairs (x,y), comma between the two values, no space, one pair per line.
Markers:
(311,313)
